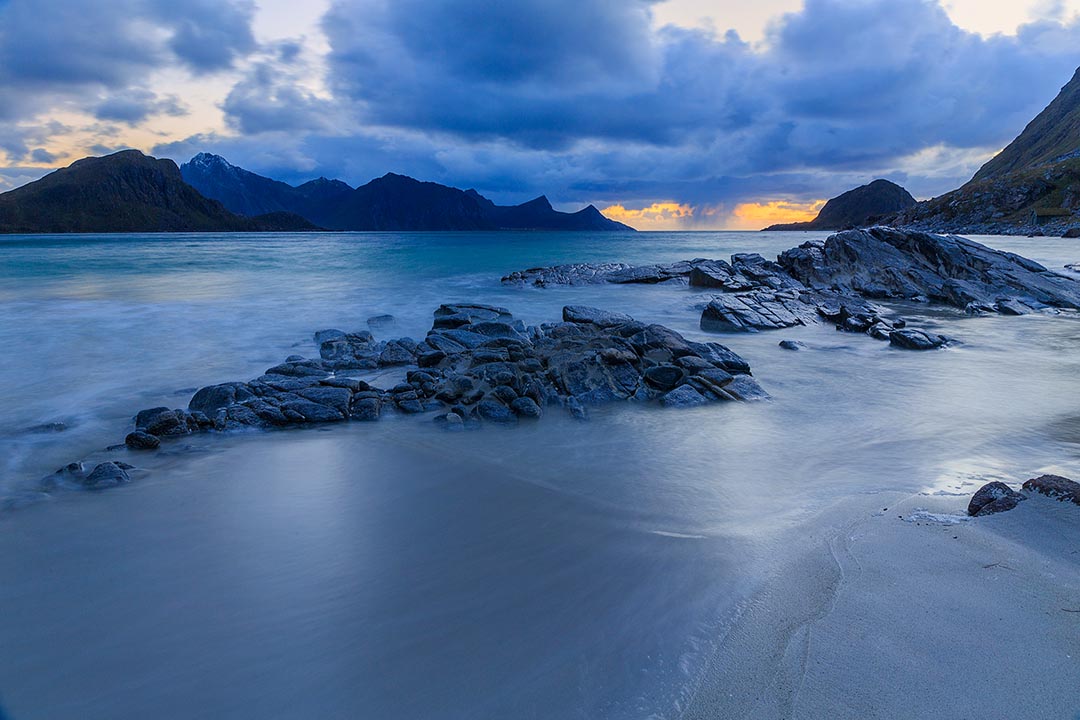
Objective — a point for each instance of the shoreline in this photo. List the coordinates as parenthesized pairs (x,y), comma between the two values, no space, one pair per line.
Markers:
(941,615)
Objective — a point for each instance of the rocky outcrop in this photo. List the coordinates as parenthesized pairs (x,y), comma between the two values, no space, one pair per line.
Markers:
(480,364)
(884,263)
(839,281)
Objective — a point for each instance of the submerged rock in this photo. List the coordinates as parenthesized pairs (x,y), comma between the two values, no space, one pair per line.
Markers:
(993,498)
(1056,487)
(106,475)
(909,339)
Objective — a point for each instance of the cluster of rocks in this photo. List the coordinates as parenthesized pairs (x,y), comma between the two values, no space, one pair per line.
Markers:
(837,281)
(998,497)
(477,364)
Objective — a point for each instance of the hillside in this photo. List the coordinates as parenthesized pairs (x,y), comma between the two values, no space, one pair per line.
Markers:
(124,192)
(1032,186)
(856,208)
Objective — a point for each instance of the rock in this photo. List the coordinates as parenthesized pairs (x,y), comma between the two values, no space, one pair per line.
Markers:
(526,407)
(140,440)
(381,322)
(792,345)
(322,336)
(1055,486)
(887,263)
(586,314)
(758,310)
(745,388)
(495,411)
(1071,233)
(664,377)
(366,409)
(993,498)
(106,475)
(162,421)
(209,400)
(395,354)
(306,411)
(910,339)
(683,396)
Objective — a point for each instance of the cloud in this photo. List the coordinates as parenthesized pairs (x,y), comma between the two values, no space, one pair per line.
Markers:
(99,57)
(135,105)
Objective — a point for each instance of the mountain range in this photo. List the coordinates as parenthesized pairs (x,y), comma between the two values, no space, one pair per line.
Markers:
(132,192)
(864,205)
(392,202)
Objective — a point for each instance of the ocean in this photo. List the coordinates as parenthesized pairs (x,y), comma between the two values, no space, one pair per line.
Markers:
(391,570)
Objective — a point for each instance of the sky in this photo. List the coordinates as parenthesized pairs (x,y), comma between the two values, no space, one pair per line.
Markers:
(685,114)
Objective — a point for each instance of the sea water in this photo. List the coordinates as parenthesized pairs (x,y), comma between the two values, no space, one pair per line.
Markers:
(390,570)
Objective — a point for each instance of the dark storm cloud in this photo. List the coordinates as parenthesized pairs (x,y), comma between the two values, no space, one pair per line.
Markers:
(840,83)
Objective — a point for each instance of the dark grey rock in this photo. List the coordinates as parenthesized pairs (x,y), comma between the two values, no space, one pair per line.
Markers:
(106,475)
(395,354)
(494,410)
(594,316)
(526,407)
(162,421)
(209,400)
(683,396)
(140,440)
(993,498)
(745,388)
(664,377)
(909,339)
(792,345)
(322,336)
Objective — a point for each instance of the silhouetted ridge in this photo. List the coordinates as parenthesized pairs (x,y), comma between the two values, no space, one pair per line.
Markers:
(124,192)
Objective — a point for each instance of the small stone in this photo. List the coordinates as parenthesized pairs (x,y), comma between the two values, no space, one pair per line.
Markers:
(993,498)
(792,345)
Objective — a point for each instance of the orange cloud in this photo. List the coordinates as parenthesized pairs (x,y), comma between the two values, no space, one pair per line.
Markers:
(762,214)
(658,216)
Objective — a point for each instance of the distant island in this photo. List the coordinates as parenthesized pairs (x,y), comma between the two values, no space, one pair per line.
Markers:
(132,192)
(860,207)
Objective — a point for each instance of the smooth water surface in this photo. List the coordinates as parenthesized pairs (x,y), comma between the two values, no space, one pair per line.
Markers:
(391,570)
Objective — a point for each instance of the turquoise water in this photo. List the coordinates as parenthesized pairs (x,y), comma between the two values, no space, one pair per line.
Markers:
(561,570)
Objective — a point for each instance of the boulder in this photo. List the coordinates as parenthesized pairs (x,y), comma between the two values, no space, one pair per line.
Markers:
(107,475)
(792,345)
(162,421)
(1055,486)
(140,440)
(910,339)
(993,498)
(683,396)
